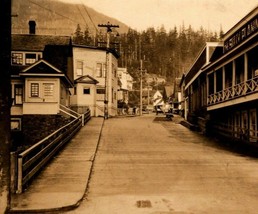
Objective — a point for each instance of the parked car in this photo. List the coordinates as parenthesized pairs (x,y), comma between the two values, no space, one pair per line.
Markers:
(167,108)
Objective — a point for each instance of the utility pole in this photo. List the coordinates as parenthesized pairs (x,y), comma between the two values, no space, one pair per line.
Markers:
(5,104)
(109,27)
(141,75)
(141,87)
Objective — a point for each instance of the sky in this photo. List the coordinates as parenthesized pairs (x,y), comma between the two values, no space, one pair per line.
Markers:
(141,14)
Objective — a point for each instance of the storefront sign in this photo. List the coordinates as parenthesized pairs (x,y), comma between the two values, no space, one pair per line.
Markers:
(242,34)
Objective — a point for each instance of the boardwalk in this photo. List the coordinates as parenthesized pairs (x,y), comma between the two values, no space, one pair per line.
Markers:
(63,183)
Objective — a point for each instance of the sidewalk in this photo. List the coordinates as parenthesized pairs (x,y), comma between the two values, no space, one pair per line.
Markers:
(62,184)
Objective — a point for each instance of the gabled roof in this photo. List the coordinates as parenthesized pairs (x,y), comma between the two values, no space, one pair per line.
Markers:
(211,51)
(86,79)
(168,90)
(32,42)
(41,67)
(44,69)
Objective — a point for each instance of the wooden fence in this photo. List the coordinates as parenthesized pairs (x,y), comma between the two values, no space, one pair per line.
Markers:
(27,164)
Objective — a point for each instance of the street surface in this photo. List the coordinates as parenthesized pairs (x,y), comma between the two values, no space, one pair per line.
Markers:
(160,167)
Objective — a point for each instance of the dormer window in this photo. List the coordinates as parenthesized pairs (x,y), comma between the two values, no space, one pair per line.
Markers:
(23,58)
(30,58)
(17,58)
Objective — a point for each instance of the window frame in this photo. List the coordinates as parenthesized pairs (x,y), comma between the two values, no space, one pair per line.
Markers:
(17,58)
(19,93)
(18,121)
(79,67)
(86,89)
(34,86)
(30,60)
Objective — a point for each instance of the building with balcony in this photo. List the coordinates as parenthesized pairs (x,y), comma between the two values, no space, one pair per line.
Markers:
(193,98)
(232,82)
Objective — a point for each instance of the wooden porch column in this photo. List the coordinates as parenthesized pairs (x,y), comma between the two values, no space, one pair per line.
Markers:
(215,81)
(223,78)
(245,71)
(233,73)
(233,77)
(223,82)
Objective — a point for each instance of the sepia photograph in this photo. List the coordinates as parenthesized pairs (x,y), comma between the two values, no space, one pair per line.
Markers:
(129,106)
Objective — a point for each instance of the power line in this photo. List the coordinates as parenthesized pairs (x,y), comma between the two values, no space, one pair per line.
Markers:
(90,18)
(82,16)
(54,12)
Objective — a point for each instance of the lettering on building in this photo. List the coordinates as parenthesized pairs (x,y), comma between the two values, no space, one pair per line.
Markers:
(242,34)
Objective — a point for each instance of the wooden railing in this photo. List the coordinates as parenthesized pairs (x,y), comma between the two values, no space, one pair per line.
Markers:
(241,89)
(86,116)
(32,160)
(68,111)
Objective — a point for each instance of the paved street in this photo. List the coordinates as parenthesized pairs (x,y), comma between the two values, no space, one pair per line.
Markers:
(148,166)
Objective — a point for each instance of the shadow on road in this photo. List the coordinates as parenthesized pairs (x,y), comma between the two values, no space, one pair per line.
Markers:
(237,147)
(241,148)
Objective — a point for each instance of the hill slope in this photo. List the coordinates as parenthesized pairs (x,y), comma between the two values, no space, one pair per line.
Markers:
(57,18)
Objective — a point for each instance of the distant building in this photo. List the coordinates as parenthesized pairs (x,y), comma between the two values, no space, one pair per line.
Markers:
(95,80)
(125,84)
(157,99)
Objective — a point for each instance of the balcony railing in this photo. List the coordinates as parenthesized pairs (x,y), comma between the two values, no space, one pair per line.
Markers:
(238,90)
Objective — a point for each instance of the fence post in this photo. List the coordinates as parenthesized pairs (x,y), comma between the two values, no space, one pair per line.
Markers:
(83,120)
(19,185)
(13,171)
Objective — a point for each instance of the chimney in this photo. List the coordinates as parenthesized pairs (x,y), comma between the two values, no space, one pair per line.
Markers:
(32,26)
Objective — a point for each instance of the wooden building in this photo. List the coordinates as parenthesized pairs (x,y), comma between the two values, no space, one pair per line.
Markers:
(220,92)
(232,82)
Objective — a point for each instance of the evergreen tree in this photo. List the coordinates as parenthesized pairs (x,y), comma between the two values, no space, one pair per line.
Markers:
(87,39)
(78,37)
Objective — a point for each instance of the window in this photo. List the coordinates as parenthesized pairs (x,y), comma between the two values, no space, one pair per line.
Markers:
(18,94)
(99,70)
(79,68)
(101,94)
(114,70)
(104,69)
(101,91)
(17,59)
(112,95)
(240,69)
(16,124)
(48,89)
(30,58)
(34,90)
(86,91)
(211,83)
(219,80)
(228,75)
(253,125)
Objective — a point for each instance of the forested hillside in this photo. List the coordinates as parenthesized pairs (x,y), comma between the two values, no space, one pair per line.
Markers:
(57,18)
(166,53)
